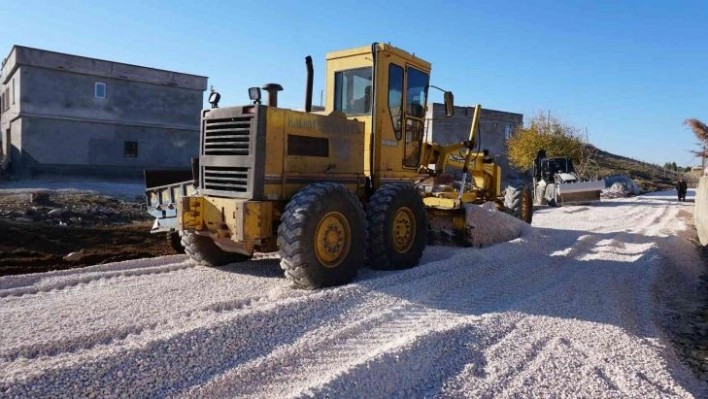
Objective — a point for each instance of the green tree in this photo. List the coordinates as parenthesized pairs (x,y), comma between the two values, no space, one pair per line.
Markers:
(554,136)
(671,166)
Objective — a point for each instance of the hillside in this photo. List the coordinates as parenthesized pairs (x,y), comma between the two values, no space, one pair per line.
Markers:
(649,177)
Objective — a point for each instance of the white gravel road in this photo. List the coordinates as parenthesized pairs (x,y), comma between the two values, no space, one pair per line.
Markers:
(575,307)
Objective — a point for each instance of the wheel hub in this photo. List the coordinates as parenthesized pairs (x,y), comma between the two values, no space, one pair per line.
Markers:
(333,236)
(403,230)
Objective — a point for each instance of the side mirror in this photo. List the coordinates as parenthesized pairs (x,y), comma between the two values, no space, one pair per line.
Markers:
(449,104)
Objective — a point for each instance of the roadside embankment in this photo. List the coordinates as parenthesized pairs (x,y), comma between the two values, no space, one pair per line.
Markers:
(700,213)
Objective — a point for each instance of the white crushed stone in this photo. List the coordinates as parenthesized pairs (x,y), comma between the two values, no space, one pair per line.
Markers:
(488,226)
(571,308)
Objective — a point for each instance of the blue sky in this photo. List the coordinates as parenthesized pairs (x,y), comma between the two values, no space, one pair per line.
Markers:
(629,72)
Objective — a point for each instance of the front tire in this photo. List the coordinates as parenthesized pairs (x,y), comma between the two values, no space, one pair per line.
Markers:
(398,227)
(205,252)
(322,236)
(520,202)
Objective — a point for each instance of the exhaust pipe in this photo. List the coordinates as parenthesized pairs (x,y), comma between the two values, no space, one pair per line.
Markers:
(272,89)
(195,172)
(308,89)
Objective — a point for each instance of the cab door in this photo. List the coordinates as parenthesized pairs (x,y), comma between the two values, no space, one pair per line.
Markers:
(416,90)
(401,98)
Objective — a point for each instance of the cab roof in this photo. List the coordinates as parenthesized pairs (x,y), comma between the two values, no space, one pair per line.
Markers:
(387,47)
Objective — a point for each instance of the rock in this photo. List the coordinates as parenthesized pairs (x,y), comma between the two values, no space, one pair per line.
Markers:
(39,197)
(74,256)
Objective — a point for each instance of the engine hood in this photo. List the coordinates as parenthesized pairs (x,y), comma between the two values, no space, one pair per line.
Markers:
(566,177)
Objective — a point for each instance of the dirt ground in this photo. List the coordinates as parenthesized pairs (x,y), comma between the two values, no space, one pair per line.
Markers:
(39,229)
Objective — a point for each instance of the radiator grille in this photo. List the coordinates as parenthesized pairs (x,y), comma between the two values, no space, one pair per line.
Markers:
(226,178)
(227,136)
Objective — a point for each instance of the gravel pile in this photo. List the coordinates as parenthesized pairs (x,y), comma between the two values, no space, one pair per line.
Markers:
(575,307)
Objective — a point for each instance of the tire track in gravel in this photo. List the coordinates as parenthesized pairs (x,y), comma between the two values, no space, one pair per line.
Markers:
(165,363)
(82,280)
(120,334)
(347,292)
(657,217)
(231,323)
(90,335)
(24,280)
(633,305)
(325,341)
(350,344)
(553,289)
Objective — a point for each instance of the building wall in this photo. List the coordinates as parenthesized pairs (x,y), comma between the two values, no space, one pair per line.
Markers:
(103,144)
(56,93)
(64,127)
(494,128)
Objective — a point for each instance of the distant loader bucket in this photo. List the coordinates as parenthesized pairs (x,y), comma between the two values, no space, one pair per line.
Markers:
(487,226)
(579,193)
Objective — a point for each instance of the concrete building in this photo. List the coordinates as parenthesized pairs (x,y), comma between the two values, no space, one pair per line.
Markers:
(495,127)
(73,115)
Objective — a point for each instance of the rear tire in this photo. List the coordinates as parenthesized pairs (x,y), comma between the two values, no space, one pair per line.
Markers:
(398,227)
(520,202)
(175,241)
(322,236)
(205,252)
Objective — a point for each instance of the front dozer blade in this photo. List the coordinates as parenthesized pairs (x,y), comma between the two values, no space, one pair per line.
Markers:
(579,193)
(580,198)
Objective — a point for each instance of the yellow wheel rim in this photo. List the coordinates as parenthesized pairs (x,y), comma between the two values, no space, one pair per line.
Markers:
(526,205)
(332,239)
(403,230)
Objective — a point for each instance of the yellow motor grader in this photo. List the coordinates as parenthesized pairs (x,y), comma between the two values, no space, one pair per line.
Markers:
(338,189)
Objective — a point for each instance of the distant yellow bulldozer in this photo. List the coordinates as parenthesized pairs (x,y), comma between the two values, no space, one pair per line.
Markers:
(336,189)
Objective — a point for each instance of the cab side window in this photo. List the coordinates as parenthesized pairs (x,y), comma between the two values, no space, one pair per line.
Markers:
(395,97)
(352,91)
(416,92)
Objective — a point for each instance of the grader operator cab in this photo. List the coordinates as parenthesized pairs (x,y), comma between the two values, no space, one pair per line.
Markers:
(333,190)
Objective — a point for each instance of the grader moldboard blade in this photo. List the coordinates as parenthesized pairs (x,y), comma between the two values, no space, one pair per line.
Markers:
(484,226)
(487,226)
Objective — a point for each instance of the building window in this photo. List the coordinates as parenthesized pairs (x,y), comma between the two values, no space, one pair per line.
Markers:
(99,90)
(13,91)
(130,149)
(508,130)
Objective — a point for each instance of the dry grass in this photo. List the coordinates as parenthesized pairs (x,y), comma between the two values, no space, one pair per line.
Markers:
(699,129)
(649,177)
